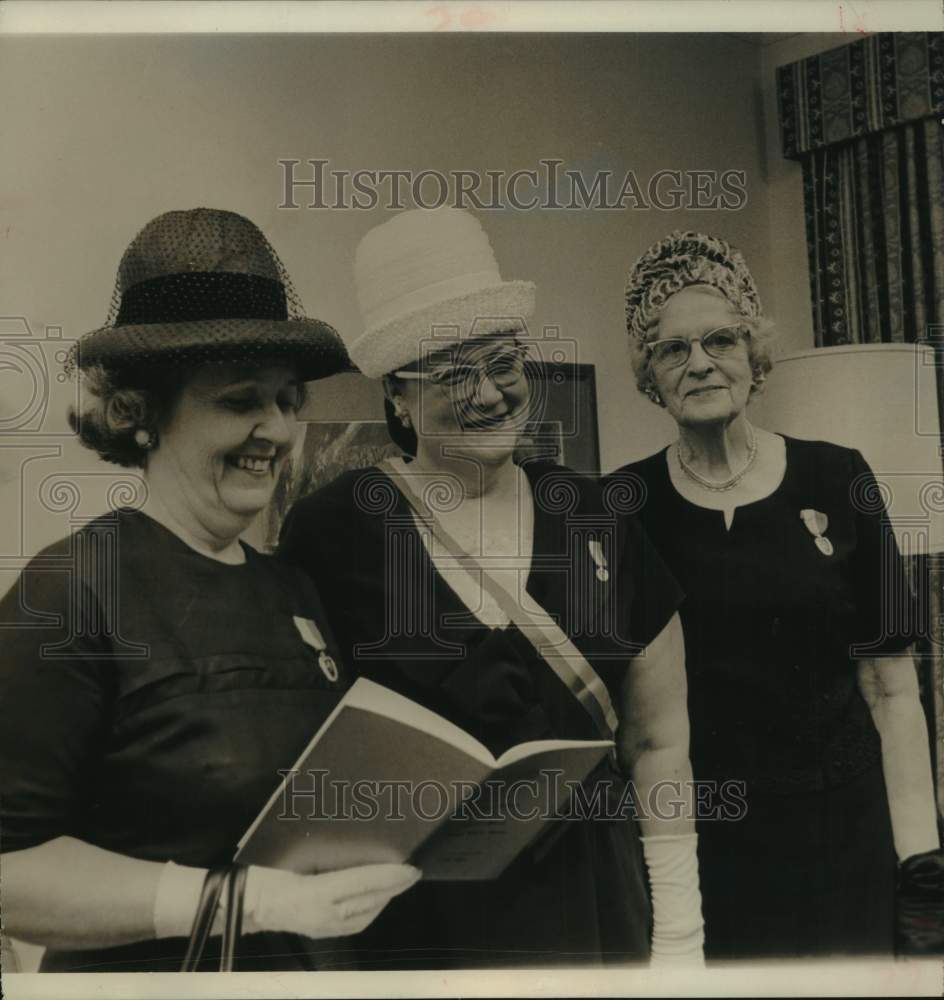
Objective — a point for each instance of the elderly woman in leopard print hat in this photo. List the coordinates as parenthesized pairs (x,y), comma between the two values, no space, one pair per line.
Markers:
(803,695)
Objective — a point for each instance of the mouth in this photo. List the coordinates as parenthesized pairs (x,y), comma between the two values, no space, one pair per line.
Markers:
(703,390)
(255,465)
(485,424)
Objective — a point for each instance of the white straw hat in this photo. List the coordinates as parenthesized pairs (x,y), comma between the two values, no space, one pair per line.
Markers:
(425,270)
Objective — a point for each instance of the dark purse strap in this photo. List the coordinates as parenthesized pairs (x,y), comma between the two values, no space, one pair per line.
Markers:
(233,927)
(232,880)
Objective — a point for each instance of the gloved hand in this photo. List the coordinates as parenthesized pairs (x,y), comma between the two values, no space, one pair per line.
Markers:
(919,923)
(678,935)
(333,904)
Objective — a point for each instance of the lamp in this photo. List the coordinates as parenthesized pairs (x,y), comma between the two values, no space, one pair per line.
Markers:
(881,399)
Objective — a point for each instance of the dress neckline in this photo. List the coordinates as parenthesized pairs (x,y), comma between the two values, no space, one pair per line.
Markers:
(174,539)
(720,511)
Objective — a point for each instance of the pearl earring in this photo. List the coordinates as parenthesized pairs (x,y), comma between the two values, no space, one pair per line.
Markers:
(653,394)
(145,439)
(400,412)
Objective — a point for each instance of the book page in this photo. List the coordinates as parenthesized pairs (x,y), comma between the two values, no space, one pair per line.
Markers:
(369,790)
(538,747)
(508,811)
(373,697)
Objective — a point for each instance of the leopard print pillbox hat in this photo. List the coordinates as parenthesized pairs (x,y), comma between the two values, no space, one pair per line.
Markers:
(677,261)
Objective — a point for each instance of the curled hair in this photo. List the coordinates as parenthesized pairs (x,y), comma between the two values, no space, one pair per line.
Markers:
(113,406)
(763,333)
(403,437)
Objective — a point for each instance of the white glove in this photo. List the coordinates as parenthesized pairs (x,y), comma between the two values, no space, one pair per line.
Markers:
(678,930)
(333,904)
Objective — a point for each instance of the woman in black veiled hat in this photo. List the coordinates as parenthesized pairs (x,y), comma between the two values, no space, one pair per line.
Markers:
(155,671)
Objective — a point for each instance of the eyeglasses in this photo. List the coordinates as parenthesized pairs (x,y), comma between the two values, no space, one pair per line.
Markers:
(459,381)
(672,352)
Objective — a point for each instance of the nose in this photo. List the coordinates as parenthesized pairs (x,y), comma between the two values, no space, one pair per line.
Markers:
(278,426)
(700,361)
(487,393)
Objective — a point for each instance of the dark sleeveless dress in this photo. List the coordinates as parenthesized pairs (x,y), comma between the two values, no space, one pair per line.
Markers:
(582,897)
(771,620)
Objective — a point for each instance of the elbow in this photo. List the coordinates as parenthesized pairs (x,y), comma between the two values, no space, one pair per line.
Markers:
(666,742)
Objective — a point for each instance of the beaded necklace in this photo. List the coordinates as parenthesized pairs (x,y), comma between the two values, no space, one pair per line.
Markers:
(727,484)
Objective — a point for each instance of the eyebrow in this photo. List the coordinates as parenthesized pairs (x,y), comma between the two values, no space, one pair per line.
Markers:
(701,331)
(249,383)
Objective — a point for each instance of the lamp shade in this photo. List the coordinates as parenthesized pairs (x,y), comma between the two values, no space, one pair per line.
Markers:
(881,399)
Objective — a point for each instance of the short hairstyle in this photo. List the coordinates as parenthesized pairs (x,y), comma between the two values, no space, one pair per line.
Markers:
(114,405)
(403,437)
(760,347)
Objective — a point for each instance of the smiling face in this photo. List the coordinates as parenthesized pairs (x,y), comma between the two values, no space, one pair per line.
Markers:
(479,410)
(221,450)
(704,389)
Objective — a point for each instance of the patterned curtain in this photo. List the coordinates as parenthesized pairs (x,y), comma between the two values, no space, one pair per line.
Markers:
(865,122)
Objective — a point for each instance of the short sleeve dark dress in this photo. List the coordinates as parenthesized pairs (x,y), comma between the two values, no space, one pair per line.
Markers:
(579,897)
(150,695)
(772,619)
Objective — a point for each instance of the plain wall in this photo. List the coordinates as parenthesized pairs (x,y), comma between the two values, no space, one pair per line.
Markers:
(108,132)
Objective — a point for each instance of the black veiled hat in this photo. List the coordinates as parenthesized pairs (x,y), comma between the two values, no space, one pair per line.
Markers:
(204,285)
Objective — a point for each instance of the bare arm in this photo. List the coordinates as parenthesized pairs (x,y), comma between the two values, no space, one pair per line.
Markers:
(653,745)
(66,894)
(653,738)
(69,895)
(890,689)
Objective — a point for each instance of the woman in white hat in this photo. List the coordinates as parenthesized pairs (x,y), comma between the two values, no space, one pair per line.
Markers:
(155,671)
(554,568)
(797,625)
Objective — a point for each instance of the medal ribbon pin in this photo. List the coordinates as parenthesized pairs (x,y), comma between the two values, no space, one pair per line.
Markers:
(816,524)
(596,553)
(311,634)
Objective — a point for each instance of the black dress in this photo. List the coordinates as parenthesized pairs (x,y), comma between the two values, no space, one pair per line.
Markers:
(150,696)
(772,618)
(580,897)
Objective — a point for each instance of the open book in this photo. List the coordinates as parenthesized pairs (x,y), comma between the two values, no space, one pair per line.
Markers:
(385,779)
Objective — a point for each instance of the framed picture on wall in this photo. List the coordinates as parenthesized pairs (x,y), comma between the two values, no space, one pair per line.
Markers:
(346,429)
(564,428)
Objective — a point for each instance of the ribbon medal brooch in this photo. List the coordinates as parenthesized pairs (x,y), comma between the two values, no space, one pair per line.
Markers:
(311,634)
(816,524)
(596,553)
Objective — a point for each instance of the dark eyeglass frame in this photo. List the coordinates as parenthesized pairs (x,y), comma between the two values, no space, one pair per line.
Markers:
(460,381)
(705,341)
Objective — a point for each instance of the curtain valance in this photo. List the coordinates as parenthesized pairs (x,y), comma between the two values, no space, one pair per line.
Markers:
(876,83)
